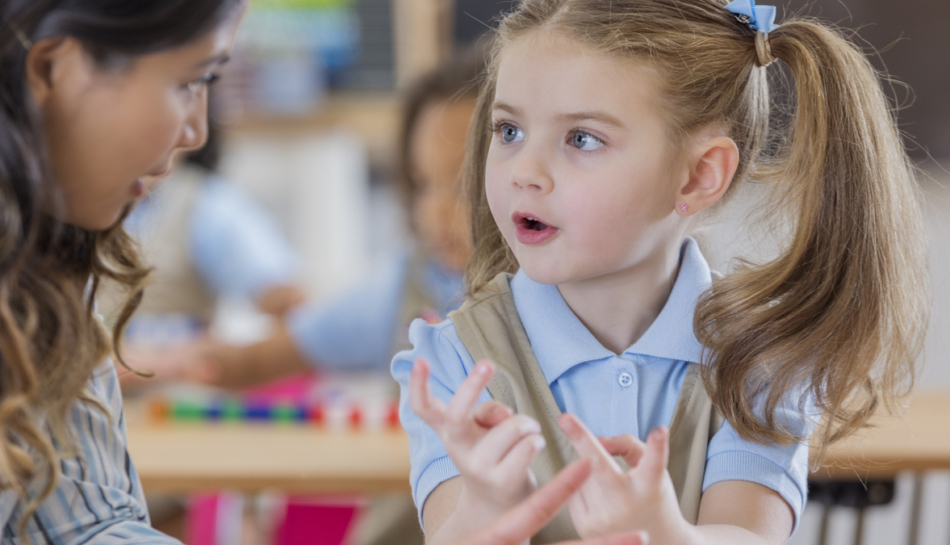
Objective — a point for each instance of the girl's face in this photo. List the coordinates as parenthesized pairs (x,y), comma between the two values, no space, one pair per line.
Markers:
(437,150)
(112,132)
(578,176)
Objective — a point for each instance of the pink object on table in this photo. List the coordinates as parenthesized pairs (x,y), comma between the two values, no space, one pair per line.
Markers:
(310,523)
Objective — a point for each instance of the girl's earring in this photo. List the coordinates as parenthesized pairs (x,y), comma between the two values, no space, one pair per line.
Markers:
(684,207)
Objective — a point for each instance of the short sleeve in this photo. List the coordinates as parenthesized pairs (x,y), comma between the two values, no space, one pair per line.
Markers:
(98,498)
(236,246)
(451,363)
(356,329)
(783,469)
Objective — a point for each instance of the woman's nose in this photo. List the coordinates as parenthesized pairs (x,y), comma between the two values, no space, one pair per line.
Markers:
(194,132)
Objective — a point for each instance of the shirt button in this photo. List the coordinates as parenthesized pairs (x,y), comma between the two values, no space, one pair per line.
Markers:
(625,379)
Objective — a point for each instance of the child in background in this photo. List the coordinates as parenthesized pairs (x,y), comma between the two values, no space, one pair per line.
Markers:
(365,327)
(604,129)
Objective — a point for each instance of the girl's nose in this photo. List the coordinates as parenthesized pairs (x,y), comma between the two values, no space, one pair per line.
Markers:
(531,172)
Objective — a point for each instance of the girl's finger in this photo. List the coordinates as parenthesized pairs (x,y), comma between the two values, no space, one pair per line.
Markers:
(626,446)
(531,515)
(491,413)
(517,460)
(654,462)
(430,410)
(496,444)
(586,443)
(460,408)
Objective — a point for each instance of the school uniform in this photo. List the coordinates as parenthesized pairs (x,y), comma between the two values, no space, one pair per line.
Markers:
(553,364)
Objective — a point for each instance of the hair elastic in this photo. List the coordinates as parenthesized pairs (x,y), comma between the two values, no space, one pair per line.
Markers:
(24,41)
(762,20)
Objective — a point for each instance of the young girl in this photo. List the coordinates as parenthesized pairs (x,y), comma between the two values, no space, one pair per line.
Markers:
(604,129)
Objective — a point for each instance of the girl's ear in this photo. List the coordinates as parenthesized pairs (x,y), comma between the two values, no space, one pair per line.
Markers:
(53,63)
(712,165)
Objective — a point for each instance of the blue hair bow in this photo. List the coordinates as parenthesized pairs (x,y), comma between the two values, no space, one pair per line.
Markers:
(761,18)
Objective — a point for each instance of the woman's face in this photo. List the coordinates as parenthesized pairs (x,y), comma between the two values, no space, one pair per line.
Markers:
(113,131)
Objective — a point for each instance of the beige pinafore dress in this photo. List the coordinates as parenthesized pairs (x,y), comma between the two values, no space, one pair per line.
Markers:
(491,329)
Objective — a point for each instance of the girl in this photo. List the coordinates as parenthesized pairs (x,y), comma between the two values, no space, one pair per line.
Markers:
(604,130)
(98,97)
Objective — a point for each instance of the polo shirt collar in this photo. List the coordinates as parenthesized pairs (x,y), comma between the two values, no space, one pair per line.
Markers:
(560,341)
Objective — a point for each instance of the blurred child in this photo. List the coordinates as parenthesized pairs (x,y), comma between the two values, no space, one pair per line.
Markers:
(363,328)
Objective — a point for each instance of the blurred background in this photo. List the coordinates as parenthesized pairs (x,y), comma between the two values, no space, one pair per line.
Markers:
(311,111)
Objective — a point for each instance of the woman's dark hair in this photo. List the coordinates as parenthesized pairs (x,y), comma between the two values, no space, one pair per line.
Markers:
(50,338)
(455,79)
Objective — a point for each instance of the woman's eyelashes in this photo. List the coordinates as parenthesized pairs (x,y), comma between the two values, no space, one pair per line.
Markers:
(200,84)
(579,139)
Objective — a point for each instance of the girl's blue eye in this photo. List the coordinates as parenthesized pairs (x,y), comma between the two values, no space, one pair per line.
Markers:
(511,134)
(586,142)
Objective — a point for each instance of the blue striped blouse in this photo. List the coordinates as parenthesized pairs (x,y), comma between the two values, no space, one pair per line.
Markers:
(99,497)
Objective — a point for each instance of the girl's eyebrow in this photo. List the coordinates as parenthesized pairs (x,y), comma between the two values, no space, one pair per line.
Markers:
(513,110)
(602,117)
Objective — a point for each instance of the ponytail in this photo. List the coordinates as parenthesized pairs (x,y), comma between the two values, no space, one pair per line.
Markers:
(844,308)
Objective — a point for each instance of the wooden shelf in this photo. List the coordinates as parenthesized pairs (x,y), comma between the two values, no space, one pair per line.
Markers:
(375,118)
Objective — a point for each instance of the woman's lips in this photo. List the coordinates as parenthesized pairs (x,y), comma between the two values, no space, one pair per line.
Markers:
(531,229)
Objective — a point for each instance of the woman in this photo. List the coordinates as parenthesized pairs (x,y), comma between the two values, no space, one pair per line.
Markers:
(97,97)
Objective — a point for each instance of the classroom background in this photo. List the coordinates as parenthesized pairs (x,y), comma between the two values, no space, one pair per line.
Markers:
(310,109)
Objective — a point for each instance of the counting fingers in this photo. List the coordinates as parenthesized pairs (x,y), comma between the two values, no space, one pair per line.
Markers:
(656,455)
(463,402)
(429,409)
(626,446)
(502,438)
(491,413)
(587,444)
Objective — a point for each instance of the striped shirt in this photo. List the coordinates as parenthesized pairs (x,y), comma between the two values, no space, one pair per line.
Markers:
(98,499)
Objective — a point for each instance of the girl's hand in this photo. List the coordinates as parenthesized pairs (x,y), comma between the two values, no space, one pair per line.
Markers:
(522,522)
(614,501)
(491,448)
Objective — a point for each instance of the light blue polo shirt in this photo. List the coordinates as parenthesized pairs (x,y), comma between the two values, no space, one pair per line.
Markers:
(612,394)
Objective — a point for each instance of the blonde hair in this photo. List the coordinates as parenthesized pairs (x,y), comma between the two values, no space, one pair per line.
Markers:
(844,308)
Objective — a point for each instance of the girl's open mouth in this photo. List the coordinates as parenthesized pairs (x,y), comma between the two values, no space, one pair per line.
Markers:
(531,229)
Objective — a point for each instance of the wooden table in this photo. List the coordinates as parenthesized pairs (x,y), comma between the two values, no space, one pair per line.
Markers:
(183,458)
(917,442)
(920,441)
(187,458)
